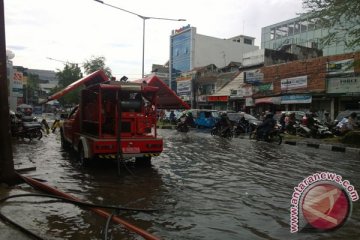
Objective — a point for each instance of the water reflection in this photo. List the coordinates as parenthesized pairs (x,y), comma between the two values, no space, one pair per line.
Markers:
(205,187)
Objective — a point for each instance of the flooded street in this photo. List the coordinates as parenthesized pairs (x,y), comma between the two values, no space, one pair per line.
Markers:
(204,187)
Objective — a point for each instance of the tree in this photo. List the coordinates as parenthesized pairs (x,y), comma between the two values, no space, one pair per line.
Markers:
(340,16)
(68,75)
(32,88)
(96,63)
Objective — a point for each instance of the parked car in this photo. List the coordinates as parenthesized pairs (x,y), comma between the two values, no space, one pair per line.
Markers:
(203,117)
(235,117)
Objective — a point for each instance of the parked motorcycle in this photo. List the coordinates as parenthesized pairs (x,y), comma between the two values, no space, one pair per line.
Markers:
(25,127)
(274,136)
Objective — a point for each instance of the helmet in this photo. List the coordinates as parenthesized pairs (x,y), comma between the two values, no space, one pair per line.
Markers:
(189,114)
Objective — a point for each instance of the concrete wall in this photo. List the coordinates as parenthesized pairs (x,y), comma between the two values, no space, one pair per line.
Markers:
(210,50)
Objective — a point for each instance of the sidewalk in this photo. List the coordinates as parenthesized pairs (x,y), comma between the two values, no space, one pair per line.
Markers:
(326,144)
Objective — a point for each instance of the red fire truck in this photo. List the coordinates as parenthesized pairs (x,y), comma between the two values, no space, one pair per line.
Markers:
(113,114)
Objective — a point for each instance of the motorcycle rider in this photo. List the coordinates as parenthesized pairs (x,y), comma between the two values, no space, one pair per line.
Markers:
(223,124)
(290,122)
(347,124)
(189,120)
(183,126)
(264,129)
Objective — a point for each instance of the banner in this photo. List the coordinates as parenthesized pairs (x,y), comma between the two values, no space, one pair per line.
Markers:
(294,83)
(340,67)
(253,77)
(294,99)
(343,85)
(184,87)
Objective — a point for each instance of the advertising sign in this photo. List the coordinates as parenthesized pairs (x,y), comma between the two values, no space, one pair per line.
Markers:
(294,99)
(17,84)
(340,67)
(294,83)
(343,85)
(265,87)
(218,98)
(243,92)
(184,87)
(253,77)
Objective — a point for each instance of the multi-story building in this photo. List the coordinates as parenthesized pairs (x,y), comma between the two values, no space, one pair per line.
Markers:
(189,50)
(162,72)
(301,31)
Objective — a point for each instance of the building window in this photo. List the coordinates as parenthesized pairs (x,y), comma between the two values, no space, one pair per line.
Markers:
(296,28)
(248,41)
(272,33)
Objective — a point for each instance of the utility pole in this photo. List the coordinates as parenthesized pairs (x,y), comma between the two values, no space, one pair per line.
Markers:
(7,172)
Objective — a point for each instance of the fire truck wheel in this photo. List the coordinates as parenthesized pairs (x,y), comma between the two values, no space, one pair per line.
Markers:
(82,160)
(64,144)
(143,161)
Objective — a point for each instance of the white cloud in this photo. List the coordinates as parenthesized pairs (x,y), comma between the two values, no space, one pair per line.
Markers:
(75,30)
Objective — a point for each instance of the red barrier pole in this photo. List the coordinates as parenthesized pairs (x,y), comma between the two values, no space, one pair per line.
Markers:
(49,189)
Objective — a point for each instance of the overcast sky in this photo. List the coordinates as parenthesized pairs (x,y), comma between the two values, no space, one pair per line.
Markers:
(76,30)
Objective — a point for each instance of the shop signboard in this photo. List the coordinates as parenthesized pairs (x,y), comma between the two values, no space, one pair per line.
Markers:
(340,67)
(294,83)
(218,98)
(294,99)
(265,87)
(253,77)
(343,85)
(184,87)
(249,102)
(17,84)
(242,92)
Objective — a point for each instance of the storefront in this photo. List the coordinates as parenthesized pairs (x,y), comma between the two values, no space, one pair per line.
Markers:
(219,102)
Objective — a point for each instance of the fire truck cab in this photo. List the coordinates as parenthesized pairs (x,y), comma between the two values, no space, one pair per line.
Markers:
(113,120)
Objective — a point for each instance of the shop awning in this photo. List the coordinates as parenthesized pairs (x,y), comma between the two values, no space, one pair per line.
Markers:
(167,97)
(268,100)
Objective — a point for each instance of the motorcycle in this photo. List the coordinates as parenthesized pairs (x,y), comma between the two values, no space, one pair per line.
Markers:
(274,136)
(182,127)
(219,131)
(25,127)
(243,127)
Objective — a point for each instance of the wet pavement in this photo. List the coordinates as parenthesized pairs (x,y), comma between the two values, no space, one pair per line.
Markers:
(204,187)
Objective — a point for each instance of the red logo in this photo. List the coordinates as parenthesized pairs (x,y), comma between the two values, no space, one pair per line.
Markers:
(325,206)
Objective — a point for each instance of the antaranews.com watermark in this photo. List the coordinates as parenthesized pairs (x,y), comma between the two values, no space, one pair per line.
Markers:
(322,201)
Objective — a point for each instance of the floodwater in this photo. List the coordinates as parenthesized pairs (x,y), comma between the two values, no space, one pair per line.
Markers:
(204,187)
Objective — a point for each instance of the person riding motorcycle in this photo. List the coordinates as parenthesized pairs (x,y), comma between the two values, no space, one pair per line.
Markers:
(290,123)
(189,120)
(264,129)
(183,126)
(223,124)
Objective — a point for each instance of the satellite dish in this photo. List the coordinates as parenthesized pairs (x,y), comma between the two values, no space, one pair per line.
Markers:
(10,54)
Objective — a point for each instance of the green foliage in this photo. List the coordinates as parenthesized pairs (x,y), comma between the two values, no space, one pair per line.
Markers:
(32,89)
(341,16)
(68,75)
(352,138)
(96,63)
